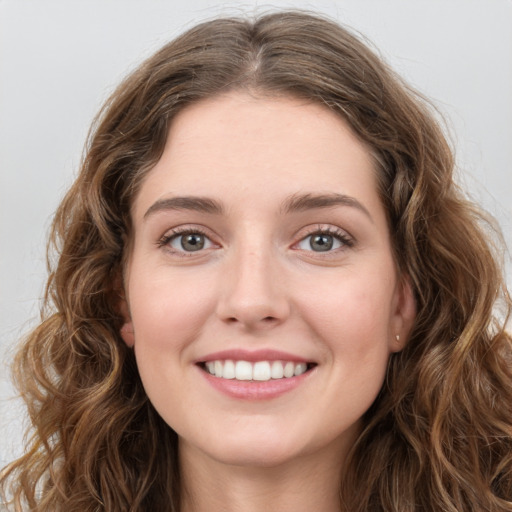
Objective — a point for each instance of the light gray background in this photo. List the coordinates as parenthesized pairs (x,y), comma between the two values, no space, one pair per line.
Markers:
(60,59)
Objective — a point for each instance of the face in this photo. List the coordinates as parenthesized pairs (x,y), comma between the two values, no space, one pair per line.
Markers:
(263,301)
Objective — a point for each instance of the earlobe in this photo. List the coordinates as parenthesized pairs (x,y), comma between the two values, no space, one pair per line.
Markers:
(126,330)
(127,334)
(405,314)
(398,343)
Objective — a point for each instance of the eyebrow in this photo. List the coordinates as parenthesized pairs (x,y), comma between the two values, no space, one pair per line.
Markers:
(295,203)
(304,202)
(192,203)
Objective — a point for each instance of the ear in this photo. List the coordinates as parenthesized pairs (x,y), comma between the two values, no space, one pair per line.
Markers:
(127,334)
(126,330)
(403,316)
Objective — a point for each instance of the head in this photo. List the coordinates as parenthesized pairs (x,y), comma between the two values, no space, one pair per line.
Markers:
(438,253)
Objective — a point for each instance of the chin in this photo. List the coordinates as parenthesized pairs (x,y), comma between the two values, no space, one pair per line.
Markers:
(245,445)
(258,455)
(261,445)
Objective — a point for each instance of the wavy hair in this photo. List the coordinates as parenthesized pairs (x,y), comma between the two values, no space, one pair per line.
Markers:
(439,435)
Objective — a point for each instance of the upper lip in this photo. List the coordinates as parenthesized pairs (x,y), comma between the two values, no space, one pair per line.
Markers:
(253,356)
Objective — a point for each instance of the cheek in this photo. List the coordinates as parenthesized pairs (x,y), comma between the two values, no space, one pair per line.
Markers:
(167,319)
(168,311)
(352,320)
(356,307)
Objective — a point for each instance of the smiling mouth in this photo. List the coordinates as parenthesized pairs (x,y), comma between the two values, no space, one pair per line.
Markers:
(259,371)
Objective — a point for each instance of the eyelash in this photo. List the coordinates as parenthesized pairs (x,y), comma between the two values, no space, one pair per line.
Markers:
(346,240)
(165,240)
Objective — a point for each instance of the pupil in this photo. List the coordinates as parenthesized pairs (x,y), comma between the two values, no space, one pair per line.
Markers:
(321,242)
(193,242)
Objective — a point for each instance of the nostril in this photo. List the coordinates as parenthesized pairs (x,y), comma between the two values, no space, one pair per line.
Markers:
(265,320)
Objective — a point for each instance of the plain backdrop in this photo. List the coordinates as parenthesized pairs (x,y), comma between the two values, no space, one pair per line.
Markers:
(59,60)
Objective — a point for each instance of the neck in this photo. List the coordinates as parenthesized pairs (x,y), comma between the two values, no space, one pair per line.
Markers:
(305,484)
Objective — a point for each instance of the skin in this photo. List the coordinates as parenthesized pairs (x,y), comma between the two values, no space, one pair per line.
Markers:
(258,284)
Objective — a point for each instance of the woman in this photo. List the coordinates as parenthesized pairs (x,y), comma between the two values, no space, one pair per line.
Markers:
(269,294)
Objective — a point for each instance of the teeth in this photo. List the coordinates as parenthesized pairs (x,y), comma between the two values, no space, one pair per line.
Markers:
(243,371)
(277,371)
(259,371)
(289,370)
(228,371)
(300,369)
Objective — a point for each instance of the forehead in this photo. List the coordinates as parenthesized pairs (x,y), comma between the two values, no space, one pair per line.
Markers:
(243,146)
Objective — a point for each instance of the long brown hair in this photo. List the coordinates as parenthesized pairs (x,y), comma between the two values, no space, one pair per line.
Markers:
(438,437)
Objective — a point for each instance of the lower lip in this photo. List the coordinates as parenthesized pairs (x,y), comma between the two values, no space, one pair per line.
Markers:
(255,390)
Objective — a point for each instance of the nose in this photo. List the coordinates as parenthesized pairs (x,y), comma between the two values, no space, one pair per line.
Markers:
(253,292)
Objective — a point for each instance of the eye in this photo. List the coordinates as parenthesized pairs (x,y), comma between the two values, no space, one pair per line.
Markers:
(190,242)
(324,241)
(186,241)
